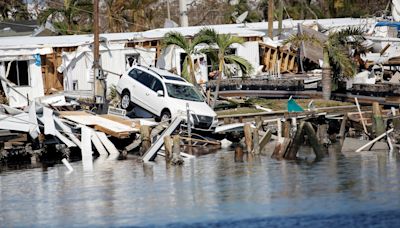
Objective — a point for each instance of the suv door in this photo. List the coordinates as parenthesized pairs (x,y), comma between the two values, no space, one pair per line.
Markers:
(158,103)
(144,90)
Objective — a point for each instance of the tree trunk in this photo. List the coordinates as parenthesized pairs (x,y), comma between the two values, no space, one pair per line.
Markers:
(221,66)
(192,75)
(326,78)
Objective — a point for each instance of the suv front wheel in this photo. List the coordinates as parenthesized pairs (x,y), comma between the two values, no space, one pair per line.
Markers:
(164,117)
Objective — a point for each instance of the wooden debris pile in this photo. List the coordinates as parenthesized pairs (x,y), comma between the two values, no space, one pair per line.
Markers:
(40,130)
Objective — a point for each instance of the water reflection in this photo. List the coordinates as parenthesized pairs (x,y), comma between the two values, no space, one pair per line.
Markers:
(212,187)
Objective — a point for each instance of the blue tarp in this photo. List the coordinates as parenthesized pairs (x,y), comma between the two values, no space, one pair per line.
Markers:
(388,23)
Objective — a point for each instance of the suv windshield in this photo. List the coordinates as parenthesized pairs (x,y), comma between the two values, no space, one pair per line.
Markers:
(184,92)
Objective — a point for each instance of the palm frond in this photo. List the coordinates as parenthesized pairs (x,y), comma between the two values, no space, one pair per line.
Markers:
(176,38)
(200,38)
(348,32)
(213,56)
(340,59)
(352,38)
(244,65)
(224,41)
(297,39)
(50,11)
(209,34)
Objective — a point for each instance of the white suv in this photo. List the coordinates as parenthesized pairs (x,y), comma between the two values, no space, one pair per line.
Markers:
(165,95)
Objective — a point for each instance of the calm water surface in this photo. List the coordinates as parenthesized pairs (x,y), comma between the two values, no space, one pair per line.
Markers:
(211,190)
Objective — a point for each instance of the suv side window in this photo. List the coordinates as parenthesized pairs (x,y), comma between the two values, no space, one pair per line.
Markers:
(133,74)
(157,85)
(145,78)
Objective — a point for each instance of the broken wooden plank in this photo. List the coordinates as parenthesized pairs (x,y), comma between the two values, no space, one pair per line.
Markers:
(67,130)
(152,152)
(107,143)
(65,140)
(375,140)
(86,148)
(48,121)
(98,145)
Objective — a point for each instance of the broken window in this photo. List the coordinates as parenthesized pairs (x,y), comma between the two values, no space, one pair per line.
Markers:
(18,72)
(131,60)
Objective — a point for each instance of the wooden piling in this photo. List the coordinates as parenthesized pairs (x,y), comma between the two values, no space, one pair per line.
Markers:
(265,139)
(286,129)
(176,151)
(314,142)
(145,138)
(168,143)
(279,129)
(259,122)
(238,154)
(377,123)
(295,145)
(322,134)
(281,148)
(248,137)
(256,142)
(227,121)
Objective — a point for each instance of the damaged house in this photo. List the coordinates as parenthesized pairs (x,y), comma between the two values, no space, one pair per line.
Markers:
(32,67)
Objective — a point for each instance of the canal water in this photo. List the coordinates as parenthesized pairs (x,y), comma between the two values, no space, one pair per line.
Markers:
(211,190)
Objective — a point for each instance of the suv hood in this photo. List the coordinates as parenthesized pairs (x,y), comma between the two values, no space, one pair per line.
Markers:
(198,108)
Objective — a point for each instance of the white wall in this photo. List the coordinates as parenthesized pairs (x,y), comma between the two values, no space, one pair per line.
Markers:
(114,61)
(78,65)
(250,51)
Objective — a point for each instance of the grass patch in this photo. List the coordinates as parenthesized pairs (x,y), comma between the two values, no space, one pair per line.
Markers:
(234,111)
(281,104)
(278,105)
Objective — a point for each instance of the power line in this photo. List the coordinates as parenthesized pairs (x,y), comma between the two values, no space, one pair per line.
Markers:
(12,23)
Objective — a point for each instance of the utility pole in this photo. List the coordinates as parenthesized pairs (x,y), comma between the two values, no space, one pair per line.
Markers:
(168,11)
(271,19)
(183,17)
(99,83)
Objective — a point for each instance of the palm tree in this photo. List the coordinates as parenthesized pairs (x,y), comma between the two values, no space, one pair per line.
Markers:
(115,15)
(223,42)
(190,48)
(335,54)
(71,12)
(13,10)
(142,14)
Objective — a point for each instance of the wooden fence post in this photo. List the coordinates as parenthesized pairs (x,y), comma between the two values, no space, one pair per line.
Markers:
(295,145)
(168,148)
(378,123)
(176,151)
(145,136)
(256,142)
